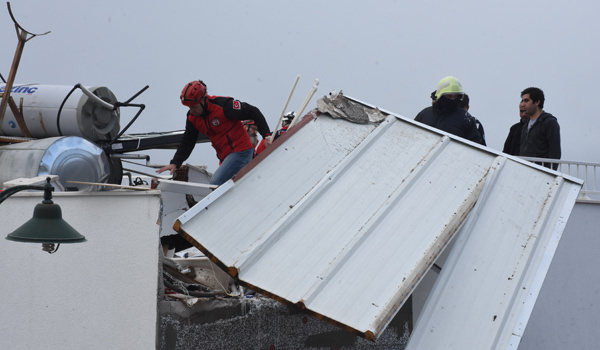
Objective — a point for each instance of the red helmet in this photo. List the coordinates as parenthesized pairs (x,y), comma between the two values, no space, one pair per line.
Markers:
(193,93)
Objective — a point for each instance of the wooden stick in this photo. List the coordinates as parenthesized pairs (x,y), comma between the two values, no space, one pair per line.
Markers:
(305,103)
(278,125)
(112,185)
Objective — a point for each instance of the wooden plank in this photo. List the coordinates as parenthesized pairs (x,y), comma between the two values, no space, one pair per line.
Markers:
(137,188)
(183,187)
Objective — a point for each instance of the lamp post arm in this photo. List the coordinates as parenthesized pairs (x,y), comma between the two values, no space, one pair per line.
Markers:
(47,188)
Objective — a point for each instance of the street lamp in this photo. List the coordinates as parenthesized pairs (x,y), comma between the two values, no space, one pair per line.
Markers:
(47,225)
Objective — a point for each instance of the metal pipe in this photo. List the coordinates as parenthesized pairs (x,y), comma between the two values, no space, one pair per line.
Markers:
(95,98)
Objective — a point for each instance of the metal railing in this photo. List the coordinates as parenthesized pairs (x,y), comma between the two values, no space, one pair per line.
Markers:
(589,172)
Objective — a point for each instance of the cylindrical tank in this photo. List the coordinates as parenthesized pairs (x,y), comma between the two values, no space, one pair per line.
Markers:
(80,116)
(70,157)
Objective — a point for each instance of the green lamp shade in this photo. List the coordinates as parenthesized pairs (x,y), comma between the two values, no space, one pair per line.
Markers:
(46,226)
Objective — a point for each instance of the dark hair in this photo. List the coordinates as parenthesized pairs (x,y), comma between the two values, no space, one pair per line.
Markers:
(464,101)
(536,94)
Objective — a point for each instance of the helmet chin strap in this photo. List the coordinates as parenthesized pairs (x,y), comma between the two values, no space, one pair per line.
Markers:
(205,88)
(203,103)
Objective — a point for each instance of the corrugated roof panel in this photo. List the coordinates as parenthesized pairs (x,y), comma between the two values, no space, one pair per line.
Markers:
(344,219)
(495,270)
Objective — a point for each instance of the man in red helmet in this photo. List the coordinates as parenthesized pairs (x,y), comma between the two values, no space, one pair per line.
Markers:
(219,118)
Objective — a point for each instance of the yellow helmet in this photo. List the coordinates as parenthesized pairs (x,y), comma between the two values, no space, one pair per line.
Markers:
(448,85)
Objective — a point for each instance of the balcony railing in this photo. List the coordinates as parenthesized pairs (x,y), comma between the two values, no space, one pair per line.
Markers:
(589,172)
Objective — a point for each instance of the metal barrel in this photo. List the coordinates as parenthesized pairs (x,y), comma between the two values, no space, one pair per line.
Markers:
(70,157)
(80,115)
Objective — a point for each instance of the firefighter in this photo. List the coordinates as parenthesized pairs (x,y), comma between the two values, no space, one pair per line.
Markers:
(446,114)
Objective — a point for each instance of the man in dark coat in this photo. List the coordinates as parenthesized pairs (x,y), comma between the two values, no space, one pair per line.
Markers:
(540,136)
(512,145)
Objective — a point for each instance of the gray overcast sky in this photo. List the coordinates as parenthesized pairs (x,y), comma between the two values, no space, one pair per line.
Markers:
(388,53)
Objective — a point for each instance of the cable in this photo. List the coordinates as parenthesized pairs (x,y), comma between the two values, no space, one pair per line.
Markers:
(61,107)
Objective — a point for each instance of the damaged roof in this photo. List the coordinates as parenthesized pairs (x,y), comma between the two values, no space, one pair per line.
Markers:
(343,219)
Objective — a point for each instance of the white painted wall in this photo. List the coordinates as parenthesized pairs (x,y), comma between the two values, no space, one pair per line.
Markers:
(567,312)
(101,294)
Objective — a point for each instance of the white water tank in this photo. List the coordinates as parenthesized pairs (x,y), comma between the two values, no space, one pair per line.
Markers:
(79,116)
(72,158)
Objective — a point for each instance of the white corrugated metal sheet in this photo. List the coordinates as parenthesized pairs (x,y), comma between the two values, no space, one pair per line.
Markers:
(490,281)
(344,219)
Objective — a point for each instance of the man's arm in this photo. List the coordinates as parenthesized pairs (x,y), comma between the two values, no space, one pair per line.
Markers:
(473,133)
(509,141)
(236,110)
(427,116)
(419,116)
(186,145)
(553,136)
(184,149)
(261,123)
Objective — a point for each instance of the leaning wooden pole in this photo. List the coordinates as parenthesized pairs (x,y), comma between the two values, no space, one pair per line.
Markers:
(22,35)
(278,125)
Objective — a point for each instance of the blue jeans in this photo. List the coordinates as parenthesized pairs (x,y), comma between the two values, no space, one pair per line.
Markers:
(231,165)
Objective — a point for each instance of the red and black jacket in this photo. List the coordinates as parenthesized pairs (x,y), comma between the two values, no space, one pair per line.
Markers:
(221,122)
